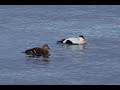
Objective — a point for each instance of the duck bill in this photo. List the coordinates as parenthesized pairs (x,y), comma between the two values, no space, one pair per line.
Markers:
(49,48)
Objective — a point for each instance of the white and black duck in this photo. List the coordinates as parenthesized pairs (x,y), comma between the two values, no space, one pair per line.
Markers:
(73,41)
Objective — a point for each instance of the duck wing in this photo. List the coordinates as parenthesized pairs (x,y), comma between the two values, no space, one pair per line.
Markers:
(71,40)
(31,51)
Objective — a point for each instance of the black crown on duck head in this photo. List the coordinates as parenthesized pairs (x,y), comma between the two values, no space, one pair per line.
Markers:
(81,36)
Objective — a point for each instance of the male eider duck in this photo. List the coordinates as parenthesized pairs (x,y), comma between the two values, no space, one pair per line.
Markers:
(74,41)
(37,51)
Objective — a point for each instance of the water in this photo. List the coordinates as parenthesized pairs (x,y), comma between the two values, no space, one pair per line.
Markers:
(23,27)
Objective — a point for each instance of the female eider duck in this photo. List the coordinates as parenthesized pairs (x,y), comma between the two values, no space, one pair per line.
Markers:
(37,51)
(74,41)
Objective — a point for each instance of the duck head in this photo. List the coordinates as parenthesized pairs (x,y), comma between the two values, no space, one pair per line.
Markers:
(45,47)
(81,36)
(82,39)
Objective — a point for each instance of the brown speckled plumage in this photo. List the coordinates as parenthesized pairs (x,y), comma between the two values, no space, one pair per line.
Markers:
(39,51)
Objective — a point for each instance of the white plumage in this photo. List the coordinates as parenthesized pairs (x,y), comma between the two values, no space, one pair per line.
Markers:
(79,40)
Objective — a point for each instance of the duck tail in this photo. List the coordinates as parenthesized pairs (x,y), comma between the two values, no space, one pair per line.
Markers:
(61,41)
(23,52)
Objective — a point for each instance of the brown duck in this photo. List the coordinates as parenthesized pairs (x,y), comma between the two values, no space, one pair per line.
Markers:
(37,51)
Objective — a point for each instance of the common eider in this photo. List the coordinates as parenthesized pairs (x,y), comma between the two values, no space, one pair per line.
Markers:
(74,41)
(37,51)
